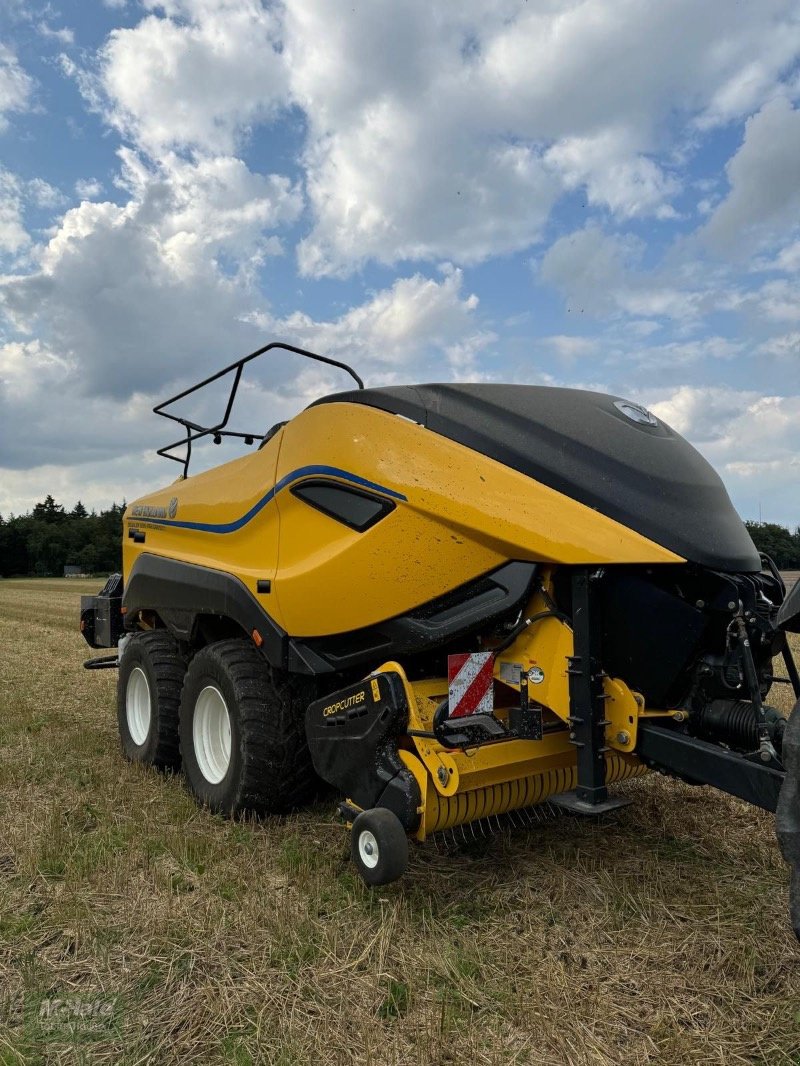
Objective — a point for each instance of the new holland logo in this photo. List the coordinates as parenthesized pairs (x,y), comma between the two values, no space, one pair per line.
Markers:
(172,510)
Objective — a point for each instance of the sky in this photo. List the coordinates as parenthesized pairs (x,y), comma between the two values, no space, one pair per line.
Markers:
(600,194)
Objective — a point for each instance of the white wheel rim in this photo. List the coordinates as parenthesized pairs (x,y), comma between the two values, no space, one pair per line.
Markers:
(368,849)
(211,732)
(137,705)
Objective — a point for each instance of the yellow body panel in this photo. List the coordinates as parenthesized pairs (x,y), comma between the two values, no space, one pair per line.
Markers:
(462,515)
(218,496)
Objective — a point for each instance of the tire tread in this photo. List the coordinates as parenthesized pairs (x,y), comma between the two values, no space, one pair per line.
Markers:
(276,771)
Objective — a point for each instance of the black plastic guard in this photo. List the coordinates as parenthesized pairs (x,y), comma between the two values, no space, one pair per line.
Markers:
(789,613)
(352,736)
(787,816)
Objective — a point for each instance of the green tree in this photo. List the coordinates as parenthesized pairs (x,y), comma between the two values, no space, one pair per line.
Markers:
(49,511)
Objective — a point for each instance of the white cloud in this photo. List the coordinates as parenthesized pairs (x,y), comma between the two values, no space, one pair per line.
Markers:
(451,132)
(212,205)
(602,274)
(590,267)
(137,292)
(412,322)
(88,189)
(570,348)
(15,86)
(786,261)
(764,175)
(43,194)
(678,355)
(13,235)
(614,175)
(782,346)
(778,300)
(446,148)
(64,35)
(198,77)
(753,441)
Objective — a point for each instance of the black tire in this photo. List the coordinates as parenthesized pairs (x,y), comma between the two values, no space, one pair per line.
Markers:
(269,768)
(379,846)
(150,674)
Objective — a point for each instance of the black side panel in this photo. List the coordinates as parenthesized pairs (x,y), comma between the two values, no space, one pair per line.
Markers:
(647,477)
(180,592)
(649,635)
(478,604)
(352,736)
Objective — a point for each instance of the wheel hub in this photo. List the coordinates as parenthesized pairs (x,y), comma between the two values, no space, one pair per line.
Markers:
(368,848)
(137,705)
(211,733)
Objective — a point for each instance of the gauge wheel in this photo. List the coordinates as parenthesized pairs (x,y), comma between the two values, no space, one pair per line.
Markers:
(379,846)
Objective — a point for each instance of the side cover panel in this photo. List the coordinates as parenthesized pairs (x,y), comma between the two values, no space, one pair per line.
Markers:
(458,515)
(224,518)
(644,476)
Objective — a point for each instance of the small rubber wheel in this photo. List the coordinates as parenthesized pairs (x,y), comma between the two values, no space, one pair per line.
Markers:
(379,846)
(242,732)
(148,699)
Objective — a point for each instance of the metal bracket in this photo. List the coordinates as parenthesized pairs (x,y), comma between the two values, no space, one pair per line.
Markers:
(571,801)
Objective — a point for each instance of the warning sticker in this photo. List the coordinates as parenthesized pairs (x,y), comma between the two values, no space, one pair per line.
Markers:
(469,680)
(510,672)
(376,690)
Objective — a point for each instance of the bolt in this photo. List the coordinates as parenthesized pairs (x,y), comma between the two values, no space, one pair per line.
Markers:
(700,603)
(572,736)
(623,737)
(731,606)
(441,773)
(765,756)
(680,716)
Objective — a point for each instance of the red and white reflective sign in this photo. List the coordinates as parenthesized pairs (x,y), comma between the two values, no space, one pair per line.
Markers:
(469,679)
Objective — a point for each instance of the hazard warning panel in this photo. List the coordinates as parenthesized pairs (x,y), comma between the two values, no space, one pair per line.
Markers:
(469,679)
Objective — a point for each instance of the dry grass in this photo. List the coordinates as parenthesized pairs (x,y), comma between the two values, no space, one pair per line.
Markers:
(658,935)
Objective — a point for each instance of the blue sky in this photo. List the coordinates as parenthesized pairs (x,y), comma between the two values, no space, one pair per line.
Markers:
(602,194)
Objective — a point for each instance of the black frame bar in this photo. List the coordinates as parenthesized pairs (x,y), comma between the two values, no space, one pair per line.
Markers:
(194,431)
(701,762)
(587,716)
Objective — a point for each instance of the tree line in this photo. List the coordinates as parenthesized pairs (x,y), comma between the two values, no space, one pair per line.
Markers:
(49,538)
(780,543)
(43,542)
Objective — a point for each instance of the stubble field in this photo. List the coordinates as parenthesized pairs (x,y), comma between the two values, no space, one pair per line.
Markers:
(136,928)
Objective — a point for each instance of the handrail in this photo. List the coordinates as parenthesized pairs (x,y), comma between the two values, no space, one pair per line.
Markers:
(194,431)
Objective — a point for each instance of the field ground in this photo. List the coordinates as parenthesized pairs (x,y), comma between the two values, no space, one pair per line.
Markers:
(171,936)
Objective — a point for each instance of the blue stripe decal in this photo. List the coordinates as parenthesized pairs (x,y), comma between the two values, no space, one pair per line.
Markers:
(296,475)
